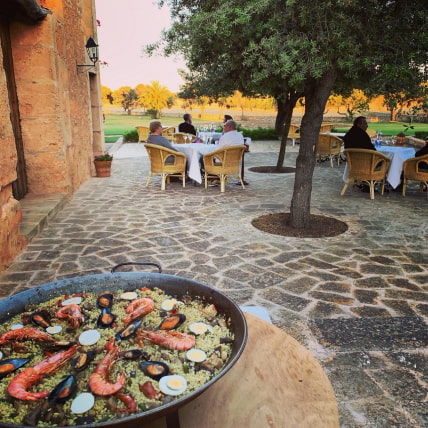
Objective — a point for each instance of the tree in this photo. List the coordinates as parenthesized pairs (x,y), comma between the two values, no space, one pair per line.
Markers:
(288,49)
(156,97)
(126,97)
(357,101)
(106,94)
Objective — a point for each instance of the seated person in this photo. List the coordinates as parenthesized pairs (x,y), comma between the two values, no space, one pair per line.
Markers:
(357,137)
(231,136)
(187,126)
(156,137)
(422,152)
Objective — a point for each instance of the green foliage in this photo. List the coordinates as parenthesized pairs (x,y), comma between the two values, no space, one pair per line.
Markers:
(103,157)
(130,136)
(260,133)
(422,135)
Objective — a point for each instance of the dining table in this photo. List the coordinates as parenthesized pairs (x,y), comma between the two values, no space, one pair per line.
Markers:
(194,152)
(276,382)
(397,155)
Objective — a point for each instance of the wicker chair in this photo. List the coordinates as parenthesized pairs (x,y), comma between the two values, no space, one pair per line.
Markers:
(413,170)
(328,147)
(183,137)
(169,133)
(143,133)
(294,133)
(368,166)
(224,163)
(175,167)
(326,127)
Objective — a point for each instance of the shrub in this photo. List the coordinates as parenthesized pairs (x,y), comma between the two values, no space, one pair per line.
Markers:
(131,136)
(259,133)
(422,135)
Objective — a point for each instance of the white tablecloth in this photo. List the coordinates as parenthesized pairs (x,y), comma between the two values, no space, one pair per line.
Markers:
(398,155)
(194,152)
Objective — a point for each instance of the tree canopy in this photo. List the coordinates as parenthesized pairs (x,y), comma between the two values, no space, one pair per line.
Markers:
(292,48)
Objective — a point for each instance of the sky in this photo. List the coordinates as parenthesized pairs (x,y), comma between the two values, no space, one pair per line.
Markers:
(125,27)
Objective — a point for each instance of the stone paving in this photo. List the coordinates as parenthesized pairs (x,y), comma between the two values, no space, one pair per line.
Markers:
(358,302)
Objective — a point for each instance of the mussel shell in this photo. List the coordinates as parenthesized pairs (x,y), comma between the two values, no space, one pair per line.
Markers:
(131,354)
(129,330)
(106,319)
(82,361)
(64,390)
(173,321)
(10,365)
(105,301)
(40,318)
(154,369)
(57,346)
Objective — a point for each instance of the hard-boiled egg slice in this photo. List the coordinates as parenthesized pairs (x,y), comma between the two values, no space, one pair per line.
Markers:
(173,385)
(168,304)
(16,326)
(129,295)
(54,329)
(89,337)
(199,328)
(196,355)
(72,301)
(1,355)
(82,403)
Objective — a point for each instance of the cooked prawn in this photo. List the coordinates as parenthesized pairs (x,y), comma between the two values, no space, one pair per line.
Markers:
(34,375)
(72,313)
(130,403)
(99,381)
(13,337)
(138,308)
(169,339)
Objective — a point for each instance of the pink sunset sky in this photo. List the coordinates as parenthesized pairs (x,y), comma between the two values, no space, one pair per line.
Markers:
(125,27)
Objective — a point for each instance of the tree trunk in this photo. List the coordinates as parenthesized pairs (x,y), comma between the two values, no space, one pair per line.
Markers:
(283,121)
(316,96)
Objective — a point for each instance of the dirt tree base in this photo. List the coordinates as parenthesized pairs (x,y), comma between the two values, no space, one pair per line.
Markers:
(321,226)
(272,169)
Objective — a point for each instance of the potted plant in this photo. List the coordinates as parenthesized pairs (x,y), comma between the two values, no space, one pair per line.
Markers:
(103,164)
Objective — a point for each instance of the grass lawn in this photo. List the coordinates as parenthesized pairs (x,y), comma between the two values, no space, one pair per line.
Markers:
(390,128)
(116,125)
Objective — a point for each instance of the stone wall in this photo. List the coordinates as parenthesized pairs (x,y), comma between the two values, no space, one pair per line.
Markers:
(59,108)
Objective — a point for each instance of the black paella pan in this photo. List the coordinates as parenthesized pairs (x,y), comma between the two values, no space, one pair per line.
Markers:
(129,281)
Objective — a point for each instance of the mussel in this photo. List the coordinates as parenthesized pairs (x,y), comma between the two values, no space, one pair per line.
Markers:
(154,369)
(82,361)
(129,330)
(106,319)
(173,321)
(132,354)
(63,391)
(41,318)
(105,301)
(57,346)
(10,365)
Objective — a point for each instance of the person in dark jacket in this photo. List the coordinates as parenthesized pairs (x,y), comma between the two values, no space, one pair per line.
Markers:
(357,137)
(422,152)
(187,126)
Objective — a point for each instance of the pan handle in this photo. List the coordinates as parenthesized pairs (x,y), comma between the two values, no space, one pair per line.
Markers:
(113,269)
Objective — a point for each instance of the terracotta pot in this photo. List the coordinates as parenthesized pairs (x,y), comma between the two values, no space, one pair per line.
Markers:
(103,168)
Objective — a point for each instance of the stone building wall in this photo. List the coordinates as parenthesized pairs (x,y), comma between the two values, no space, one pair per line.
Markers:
(59,109)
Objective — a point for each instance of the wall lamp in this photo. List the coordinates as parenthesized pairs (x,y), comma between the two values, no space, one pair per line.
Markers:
(92,51)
